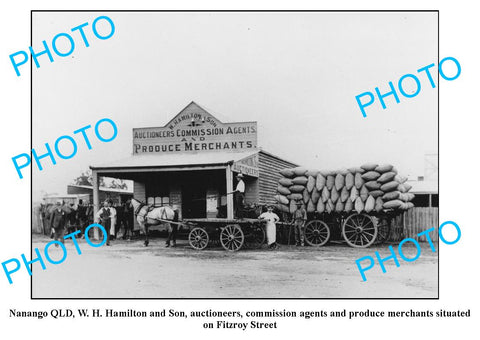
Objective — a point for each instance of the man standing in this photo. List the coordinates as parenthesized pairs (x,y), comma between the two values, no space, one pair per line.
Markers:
(128,220)
(299,217)
(58,220)
(107,218)
(239,196)
(271,228)
(82,217)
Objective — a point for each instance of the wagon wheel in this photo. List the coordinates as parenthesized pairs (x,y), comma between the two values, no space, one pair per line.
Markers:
(231,237)
(359,230)
(317,233)
(198,238)
(383,227)
(257,237)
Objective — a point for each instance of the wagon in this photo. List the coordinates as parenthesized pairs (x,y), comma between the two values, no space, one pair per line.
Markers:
(232,234)
(358,230)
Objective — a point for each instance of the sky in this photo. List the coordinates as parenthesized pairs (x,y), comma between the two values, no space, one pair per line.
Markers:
(296,74)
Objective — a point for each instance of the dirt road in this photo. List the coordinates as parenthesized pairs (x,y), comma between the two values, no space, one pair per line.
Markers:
(127,269)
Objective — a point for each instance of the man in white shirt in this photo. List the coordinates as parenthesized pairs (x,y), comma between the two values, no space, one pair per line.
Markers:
(239,195)
(271,228)
(107,217)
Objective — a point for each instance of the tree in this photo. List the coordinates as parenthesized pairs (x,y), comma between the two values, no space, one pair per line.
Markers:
(86,178)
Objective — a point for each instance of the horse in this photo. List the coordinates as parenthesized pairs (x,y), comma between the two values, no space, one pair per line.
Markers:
(147,217)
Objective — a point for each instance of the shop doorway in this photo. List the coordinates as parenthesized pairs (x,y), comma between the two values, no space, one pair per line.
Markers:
(194,199)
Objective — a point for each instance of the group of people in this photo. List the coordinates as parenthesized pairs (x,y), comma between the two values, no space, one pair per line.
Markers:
(299,216)
(67,219)
(299,219)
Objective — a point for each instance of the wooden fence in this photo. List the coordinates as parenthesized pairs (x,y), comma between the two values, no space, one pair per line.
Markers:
(414,221)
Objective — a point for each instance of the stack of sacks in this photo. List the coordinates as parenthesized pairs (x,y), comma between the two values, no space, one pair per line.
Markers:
(368,188)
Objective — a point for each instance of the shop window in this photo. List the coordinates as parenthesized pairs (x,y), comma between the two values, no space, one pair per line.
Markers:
(158,201)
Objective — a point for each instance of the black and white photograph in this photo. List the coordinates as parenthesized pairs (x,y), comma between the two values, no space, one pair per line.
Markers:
(231,170)
(240,155)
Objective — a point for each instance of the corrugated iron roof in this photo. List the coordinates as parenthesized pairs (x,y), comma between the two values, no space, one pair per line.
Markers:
(424,187)
(168,160)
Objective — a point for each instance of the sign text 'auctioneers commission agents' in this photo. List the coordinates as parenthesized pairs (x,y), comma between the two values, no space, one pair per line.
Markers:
(194,130)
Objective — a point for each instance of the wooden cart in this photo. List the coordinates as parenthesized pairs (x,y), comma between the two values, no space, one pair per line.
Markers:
(233,234)
(357,230)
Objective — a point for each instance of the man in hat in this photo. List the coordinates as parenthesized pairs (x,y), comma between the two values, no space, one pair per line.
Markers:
(58,220)
(299,218)
(270,227)
(239,196)
(107,217)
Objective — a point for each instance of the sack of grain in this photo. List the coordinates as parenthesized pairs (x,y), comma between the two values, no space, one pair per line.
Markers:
(329,206)
(373,185)
(349,180)
(359,182)
(320,182)
(284,191)
(311,183)
(354,194)
(300,180)
(281,199)
(289,173)
(283,208)
(334,195)
(310,207)
(369,204)
(315,196)
(407,186)
(386,177)
(401,188)
(400,179)
(339,206)
(344,194)
(320,206)
(293,206)
(392,204)
(325,194)
(376,193)
(348,206)
(390,186)
(384,168)
(378,204)
(369,166)
(306,196)
(299,171)
(286,182)
(392,195)
(330,182)
(297,188)
(295,197)
(355,170)
(370,176)
(312,172)
(410,205)
(339,182)
(409,196)
(364,193)
(359,206)
(326,173)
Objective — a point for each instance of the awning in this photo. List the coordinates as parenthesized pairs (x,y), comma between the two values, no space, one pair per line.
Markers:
(205,159)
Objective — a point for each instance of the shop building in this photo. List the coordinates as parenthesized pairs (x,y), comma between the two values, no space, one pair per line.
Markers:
(191,164)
